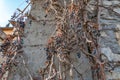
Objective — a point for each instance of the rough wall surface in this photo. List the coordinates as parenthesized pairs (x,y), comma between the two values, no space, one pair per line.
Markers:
(38,32)
(110,34)
(36,36)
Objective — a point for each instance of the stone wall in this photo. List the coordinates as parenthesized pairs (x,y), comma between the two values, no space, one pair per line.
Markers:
(37,33)
(110,34)
(36,36)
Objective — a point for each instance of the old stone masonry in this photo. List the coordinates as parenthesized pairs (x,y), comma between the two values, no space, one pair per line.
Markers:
(70,40)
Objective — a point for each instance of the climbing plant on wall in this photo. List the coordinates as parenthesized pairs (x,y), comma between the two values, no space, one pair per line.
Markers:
(76,29)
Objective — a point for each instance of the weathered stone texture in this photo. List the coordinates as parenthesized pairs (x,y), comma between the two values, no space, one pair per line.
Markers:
(38,32)
(110,39)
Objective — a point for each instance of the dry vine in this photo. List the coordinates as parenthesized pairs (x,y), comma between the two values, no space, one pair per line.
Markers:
(74,30)
(11,47)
